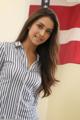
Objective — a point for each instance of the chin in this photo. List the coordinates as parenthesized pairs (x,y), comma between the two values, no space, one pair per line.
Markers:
(36,44)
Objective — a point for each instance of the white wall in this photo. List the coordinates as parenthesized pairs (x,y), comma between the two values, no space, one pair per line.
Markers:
(64,103)
(12,16)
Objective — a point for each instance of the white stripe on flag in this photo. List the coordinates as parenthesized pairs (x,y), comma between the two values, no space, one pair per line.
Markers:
(62,3)
(53,2)
(66,36)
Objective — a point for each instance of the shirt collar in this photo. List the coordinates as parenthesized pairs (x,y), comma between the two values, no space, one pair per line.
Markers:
(18,44)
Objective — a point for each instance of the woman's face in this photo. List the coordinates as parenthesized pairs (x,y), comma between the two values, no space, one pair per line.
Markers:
(40,31)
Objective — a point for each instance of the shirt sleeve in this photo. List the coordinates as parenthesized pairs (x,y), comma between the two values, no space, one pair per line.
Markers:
(2,55)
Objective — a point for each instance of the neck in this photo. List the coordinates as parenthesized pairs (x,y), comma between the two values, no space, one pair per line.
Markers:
(30,52)
(28,47)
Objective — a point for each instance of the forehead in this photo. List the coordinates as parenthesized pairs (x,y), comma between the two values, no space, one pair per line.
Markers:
(46,21)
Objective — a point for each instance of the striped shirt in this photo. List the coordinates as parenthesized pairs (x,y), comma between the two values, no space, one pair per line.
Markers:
(18,83)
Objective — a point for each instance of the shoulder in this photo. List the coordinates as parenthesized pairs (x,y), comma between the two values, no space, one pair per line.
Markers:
(6,44)
(2,46)
(6,47)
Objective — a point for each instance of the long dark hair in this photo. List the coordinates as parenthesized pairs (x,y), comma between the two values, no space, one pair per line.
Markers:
(47,51)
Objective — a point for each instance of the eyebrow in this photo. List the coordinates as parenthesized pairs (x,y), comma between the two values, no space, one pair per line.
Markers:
(50,29)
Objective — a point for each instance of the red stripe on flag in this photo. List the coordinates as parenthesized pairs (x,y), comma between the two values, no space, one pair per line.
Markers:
(69,16)
(70,52)
(33,8)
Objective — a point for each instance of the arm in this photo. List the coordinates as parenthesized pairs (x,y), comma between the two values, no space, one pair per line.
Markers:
(2,55)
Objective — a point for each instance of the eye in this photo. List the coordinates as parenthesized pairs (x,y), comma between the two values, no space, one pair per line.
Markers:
(49,31)
(40,26)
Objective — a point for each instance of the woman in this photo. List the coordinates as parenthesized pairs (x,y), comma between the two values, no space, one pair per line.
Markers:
(27,66)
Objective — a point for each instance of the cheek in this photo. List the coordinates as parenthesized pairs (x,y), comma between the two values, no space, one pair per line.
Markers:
(47,37)
(32,32)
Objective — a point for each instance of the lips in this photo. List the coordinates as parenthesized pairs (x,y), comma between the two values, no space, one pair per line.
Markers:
(37,38)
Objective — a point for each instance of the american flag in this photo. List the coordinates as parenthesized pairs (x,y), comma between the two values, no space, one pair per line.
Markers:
(68,12)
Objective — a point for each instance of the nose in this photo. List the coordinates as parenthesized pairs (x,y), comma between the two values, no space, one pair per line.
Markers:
(42,32)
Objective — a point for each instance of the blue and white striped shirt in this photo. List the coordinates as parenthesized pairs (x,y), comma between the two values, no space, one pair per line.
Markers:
(18,83)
